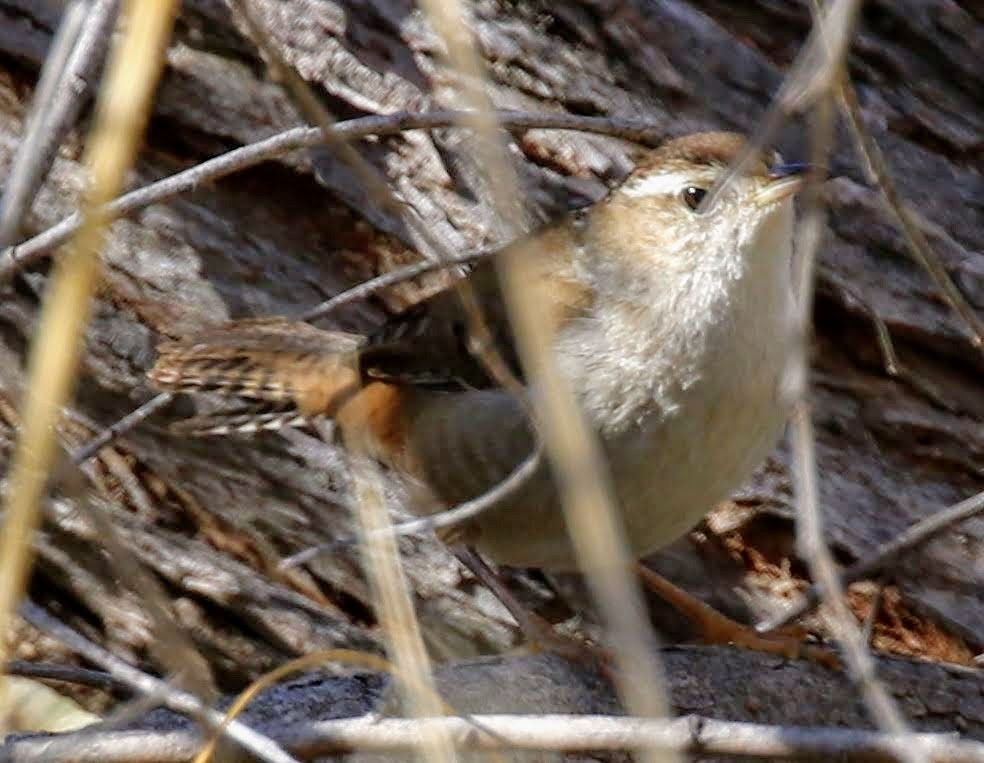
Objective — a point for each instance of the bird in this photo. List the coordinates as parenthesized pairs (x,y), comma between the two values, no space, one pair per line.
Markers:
(673,325)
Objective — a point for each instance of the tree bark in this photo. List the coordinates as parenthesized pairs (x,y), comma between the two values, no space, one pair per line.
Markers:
(211,519)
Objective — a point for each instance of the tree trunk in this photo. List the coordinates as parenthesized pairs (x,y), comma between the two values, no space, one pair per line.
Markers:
(212,518)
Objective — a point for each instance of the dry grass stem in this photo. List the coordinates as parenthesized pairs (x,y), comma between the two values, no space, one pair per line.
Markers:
(394,606)
(121,114)
(569,443)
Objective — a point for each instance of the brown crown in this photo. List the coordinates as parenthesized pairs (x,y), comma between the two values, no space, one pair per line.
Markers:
(708,149)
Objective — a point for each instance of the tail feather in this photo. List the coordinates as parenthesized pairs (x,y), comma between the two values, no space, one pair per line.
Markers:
(244,420)
(288,363)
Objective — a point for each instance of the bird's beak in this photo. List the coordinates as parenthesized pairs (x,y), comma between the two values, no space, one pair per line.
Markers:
(785,180)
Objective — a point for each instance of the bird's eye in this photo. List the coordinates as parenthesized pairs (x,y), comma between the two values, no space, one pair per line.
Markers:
(692,196)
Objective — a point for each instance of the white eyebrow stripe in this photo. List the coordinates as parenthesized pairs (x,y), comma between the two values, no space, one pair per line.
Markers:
(656,185)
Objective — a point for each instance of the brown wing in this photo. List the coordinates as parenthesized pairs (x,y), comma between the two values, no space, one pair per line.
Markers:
(428,344)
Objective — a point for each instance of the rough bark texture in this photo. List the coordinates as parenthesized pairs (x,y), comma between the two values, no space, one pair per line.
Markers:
(211,518)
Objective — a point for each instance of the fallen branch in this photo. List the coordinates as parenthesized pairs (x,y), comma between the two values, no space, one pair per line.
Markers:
(691,734)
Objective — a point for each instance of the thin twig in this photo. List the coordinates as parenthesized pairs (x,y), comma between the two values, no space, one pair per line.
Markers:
(143,683)
(317,115)
(914,536)
(30,160)
(72,674)
(72,61)
(373,285)
(23,255)
(893,365)
(687,734)
(690,734)
(119,427)
(463,512)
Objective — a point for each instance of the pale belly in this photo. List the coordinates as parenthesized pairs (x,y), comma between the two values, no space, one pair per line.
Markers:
(667,475)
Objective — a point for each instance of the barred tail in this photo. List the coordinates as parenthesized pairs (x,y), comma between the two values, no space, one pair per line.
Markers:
(281,372)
